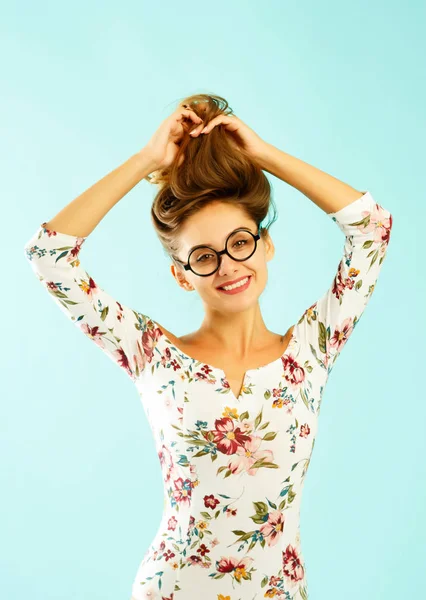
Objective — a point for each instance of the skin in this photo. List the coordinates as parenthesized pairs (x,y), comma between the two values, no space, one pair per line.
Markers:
(233,329)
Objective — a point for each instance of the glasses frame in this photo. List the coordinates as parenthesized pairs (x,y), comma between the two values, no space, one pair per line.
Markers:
(188,267)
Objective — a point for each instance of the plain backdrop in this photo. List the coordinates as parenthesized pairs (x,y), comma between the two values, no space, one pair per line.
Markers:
(84,86)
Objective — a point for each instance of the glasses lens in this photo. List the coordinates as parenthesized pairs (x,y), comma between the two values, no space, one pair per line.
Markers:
(240,246)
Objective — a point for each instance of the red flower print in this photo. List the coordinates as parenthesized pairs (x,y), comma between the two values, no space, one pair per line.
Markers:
(234,565)
(182,492)
(338,283)
(210,501)
(273,528)
(203,550)
(305,430)
(206,369)
(168,554)
(292,566)
(122,360)
(171,524)
(149,340)
(226,437)
(293,372)
(200,375)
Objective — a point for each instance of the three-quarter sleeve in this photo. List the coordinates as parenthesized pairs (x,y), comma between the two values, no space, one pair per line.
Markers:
(331,320)
(126,336)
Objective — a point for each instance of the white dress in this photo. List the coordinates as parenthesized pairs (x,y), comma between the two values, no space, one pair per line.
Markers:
(233,468)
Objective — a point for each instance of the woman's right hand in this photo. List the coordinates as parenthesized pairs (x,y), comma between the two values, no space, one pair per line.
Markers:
(164,144)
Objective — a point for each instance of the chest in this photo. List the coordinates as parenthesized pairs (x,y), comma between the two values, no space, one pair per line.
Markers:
(233,370)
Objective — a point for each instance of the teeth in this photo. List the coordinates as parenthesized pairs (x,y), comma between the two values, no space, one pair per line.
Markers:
(236,285)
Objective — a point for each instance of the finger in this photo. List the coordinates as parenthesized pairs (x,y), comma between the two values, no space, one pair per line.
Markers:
(188,113)
(221,119)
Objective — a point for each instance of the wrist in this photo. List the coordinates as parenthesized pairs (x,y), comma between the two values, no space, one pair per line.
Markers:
(146,163)
(264,156)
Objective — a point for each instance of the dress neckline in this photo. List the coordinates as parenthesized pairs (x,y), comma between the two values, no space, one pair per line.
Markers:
(292,341)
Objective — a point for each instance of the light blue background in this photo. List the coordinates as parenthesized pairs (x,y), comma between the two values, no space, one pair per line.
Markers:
(84,86)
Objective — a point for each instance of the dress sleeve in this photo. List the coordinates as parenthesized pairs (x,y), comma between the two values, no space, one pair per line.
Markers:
(126,336)
(330,321)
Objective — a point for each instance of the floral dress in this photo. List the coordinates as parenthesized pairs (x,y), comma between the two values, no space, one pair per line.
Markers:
(233,468)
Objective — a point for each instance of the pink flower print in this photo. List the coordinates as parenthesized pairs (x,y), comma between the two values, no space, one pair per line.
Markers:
(171,524)
(193,471)
(293,372)
(305,430)
(166,462)
(182,491)
(247,454)
(340,336)
(247,426)
(379,223)
(97,336)
(139,359)
(292,566)
(227,438)
(150,593)
(210,501)
(93,333)
(273,528)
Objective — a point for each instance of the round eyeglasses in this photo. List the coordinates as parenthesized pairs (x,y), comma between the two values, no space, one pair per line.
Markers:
(205,260)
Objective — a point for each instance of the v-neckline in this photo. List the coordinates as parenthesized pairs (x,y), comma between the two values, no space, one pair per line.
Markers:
(169,343)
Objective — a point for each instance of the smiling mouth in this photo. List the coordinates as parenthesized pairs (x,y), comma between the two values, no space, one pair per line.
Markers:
(238,286)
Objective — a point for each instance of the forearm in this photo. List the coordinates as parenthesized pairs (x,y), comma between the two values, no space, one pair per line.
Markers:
(326,191)
(83,214)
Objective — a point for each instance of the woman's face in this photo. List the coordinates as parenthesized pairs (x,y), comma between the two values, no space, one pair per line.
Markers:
(210,226)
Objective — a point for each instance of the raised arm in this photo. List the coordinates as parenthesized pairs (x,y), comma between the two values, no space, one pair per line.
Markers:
(125,335)
(331,320)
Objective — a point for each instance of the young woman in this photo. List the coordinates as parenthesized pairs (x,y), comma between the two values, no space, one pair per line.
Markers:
(233,407)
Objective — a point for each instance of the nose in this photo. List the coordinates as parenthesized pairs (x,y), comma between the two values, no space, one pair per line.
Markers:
(227,265)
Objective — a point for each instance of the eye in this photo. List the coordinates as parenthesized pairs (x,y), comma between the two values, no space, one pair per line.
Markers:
(243,242)
(199,259)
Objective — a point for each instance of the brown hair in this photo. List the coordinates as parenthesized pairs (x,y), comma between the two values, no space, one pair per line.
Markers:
(212,170)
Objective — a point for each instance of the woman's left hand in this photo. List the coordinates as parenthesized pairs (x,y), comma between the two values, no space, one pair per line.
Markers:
(240,132)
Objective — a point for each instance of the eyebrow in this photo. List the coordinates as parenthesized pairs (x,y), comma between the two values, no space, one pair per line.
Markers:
(210,244)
